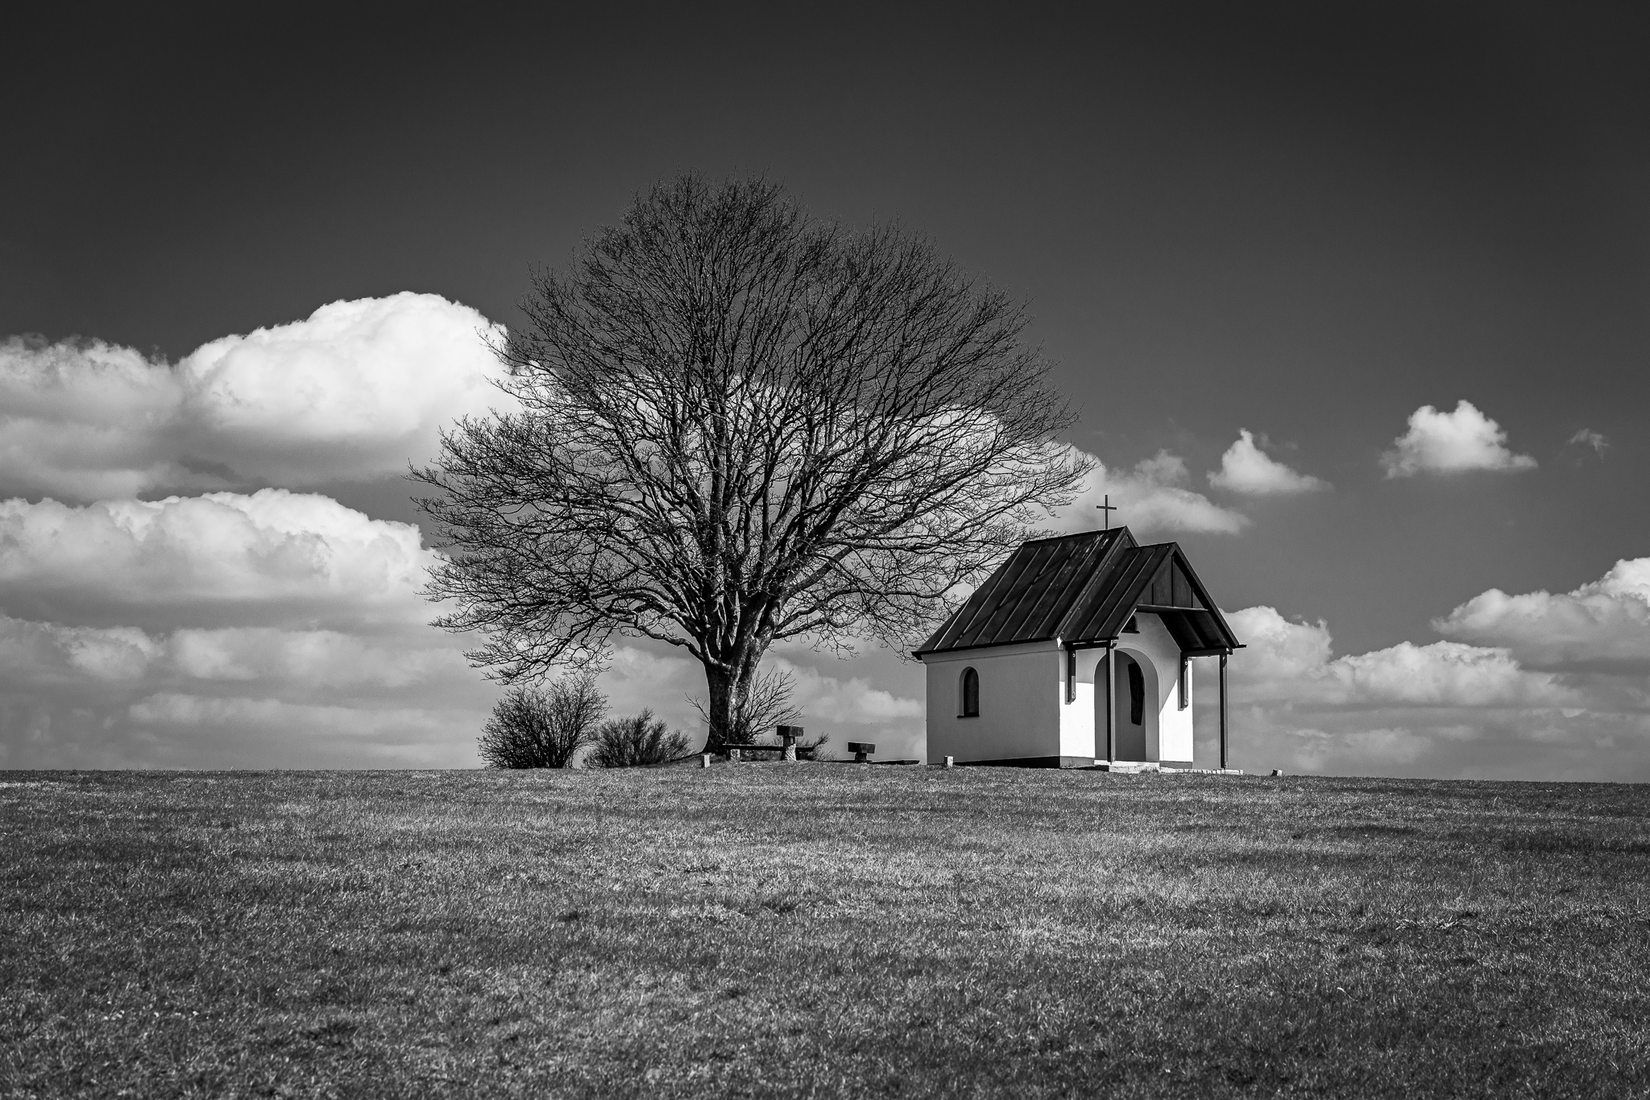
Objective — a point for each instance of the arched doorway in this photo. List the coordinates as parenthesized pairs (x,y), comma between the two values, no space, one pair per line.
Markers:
(1131,708)
(1134,709)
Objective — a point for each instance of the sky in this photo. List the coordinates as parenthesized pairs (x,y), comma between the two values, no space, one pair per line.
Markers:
(1353,304)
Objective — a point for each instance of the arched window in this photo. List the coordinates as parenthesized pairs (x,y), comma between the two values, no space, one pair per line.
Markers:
(970,693)
(1137,694)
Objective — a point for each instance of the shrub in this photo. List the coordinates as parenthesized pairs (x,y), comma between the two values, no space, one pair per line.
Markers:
(635,741)
(543,727)
(814,749)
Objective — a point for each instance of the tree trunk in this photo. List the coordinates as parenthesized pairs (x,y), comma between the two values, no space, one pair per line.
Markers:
(729,681)
(726,693)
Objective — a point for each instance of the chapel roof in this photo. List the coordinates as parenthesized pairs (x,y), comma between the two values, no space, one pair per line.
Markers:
(1082,589)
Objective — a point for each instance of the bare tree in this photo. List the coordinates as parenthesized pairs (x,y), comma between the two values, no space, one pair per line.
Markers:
(543,727)
(738,424)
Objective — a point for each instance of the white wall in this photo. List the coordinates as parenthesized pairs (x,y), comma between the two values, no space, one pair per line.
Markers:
(1078,734)
(1082,723)
(1023,708)
(1020,692)
(1174,725)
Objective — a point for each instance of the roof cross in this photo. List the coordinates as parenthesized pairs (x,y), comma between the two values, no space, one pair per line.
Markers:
(1106,510)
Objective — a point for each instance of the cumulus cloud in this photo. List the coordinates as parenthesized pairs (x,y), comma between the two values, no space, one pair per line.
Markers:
(352,392)
(194,630)
(360,386)
(1152,496)
(1277,648)
(317,659)
(83,682)
(854,701)
(1446,707)
(1451,442)
(214,625)
(244,696)
(1245,468)
(1601,626)
(1442,674)
(1292,660)
(40,653)
(281,629)
(312,662)
(303,557)
(86,420)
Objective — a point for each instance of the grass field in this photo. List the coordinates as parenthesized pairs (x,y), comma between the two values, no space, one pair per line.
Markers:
(820,929)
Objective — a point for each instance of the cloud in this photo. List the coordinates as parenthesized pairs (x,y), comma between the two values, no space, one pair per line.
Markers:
(299,666)
(275,629)
(37,653)
(1276,648)
(240,697)
(1442,674)
(281,629)
(319,660)
(353,392)
(1150,497)
(243,696)
(1586,437)
(1601,626)
(389,732)
(87,420)
(1445,708)
(1245,468)
(1291,661)
(852,701)
(1452,442)
(359,385)
(215,625)
(301,558)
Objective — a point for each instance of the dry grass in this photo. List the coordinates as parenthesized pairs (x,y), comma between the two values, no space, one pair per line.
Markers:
(819,929)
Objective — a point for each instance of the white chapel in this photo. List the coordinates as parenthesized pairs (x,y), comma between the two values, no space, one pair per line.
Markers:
(1077,652)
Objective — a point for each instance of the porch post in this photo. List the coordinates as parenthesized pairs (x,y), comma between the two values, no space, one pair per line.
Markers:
(1223,712)
(1111,682)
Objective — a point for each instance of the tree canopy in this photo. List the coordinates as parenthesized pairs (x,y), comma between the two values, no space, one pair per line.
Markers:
(739,424)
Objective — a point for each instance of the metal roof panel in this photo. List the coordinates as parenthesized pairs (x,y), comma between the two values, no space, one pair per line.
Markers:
(1081,588)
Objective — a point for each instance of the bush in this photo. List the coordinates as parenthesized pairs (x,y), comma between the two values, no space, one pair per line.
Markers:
(543,728)
(636,741)
(814,749)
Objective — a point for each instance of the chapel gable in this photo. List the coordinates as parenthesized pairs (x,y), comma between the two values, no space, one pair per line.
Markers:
(1077,651)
